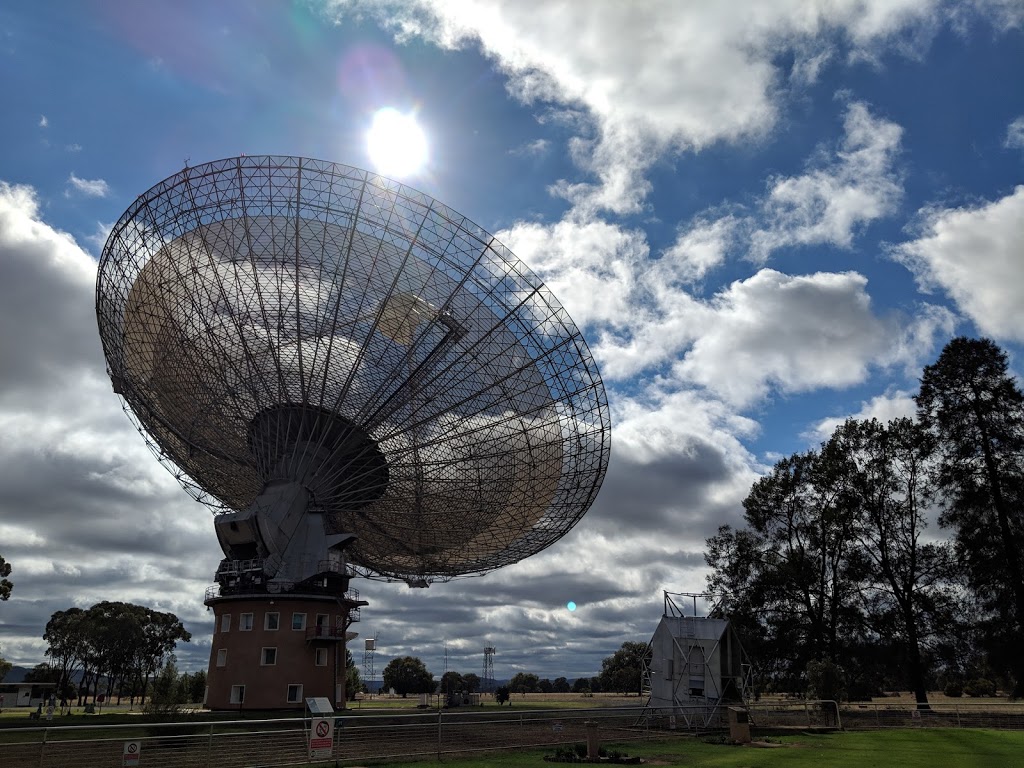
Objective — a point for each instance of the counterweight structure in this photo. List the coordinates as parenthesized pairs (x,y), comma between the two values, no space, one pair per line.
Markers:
(357,379)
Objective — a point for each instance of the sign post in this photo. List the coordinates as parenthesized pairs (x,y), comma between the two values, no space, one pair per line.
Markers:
(321,739)
(132,754)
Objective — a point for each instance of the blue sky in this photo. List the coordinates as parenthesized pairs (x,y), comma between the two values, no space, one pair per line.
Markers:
(765,217)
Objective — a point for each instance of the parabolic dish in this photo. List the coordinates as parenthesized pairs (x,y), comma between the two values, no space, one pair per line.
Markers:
(270,319)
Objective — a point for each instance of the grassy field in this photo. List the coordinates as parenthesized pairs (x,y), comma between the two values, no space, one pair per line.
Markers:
(933,748)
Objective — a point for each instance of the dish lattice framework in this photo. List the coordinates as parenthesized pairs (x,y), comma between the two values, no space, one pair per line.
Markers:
(266,318)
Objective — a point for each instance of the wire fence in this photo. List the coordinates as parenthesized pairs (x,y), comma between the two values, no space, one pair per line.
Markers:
(436,734)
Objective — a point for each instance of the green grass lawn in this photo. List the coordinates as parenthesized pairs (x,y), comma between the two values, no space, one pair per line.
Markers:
(932,748)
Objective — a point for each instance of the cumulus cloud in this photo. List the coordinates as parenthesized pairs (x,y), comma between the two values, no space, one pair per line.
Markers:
(591,266)
(885,407)
(796,332)
(43,121)
(81,499)
(697,250)
(1015,134)
(973,255)
(829,202)
(88,187)
(654,77)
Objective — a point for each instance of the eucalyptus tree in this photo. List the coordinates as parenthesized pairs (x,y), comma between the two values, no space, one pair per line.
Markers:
(908,580)
(788,577)
(66,644)
(5,584)
(974,409)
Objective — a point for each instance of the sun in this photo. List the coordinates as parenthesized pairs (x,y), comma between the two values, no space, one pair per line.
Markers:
(396,143)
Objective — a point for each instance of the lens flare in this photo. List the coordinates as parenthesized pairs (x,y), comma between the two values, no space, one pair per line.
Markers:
(571,605)
(396,143)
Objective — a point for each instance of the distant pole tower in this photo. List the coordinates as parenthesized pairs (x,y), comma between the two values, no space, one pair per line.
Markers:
(446,657)
(368,650)
(487,681)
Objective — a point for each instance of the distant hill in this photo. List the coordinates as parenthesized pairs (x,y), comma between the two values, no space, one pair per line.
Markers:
(17,674)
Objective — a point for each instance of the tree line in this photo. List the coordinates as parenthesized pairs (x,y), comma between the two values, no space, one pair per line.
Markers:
(112,648)
(620,673)
(839,571)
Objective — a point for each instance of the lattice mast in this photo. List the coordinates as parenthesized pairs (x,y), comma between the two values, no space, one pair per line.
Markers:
(487,676)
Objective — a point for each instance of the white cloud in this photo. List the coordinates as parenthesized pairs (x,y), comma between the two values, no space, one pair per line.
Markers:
(591,266)
(654,76)
(697,250)
(885,408)
(43,121)
(78,488)
(1015,134)
(829,202)
(796,332)
(532,148)
(973,254)
(89,187)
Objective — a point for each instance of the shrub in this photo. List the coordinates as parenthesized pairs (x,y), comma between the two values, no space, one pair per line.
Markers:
(980,687)
(954,689)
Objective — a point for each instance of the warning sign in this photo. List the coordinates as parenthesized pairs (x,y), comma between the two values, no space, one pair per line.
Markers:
(321,739)
(132,754)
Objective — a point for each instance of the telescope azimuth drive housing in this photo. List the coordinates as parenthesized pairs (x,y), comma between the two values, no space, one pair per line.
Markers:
(331,360)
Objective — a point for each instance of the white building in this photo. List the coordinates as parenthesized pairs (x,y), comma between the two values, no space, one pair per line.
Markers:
(696,665)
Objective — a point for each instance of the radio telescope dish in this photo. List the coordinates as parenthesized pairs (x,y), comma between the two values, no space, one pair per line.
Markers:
(330,359)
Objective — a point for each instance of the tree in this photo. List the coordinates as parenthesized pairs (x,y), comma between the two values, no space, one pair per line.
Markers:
(623,670)
(524,682)
(545,686)
(5,667)
(470,682)
(581,685)
(5,585)
(408,675)
(193,686)
(168,695)
(907,581)
(560,685)
(975,411)
(789,578)
(451,682)
(65,638)
(503,694)
(353,680)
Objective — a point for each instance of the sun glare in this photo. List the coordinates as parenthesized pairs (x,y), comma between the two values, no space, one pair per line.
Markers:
(396,143)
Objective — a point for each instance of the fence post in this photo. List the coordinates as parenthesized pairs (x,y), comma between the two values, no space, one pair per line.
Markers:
(42,747)
(209,746)
(957,708)
(439,734)
(807,711)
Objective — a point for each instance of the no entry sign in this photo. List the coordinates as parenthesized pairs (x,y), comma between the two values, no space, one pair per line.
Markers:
(132,754)
(321,739)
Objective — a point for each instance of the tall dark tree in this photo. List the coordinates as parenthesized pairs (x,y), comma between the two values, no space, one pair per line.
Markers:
(622,672)
(451,682)
(471,682)
(560,685)
(907,580)
(524,682)
(5,584)
(65,643)
(408,675)
(790,577)
(975,411)
(5,667)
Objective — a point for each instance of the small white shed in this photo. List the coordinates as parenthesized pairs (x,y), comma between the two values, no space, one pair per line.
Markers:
(696,664)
